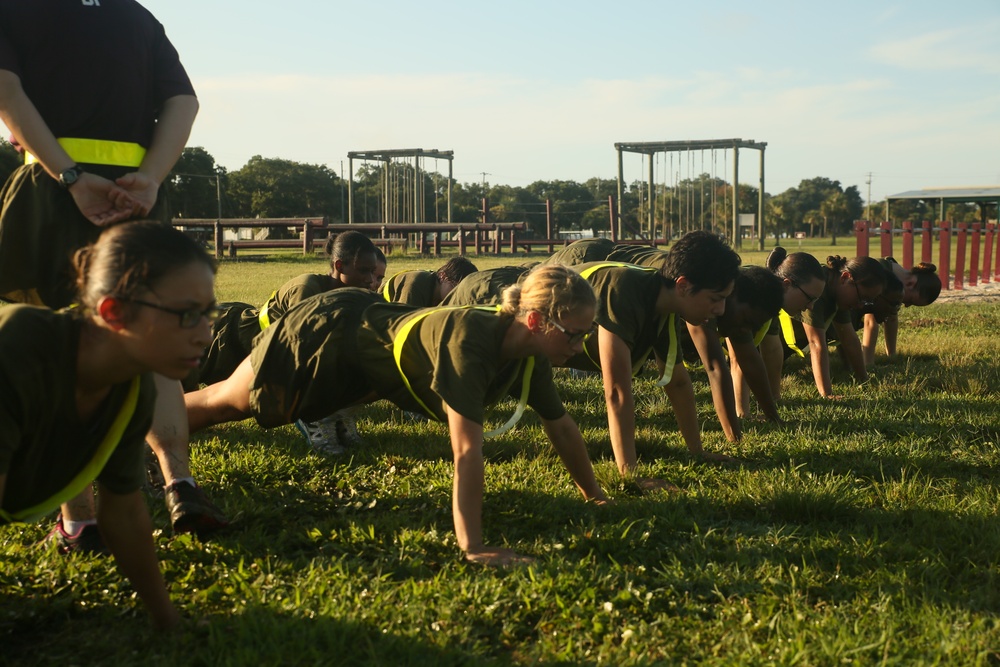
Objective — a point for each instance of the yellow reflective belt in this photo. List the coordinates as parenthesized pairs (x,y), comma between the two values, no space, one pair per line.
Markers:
(90,471)
(99,151)
(397,353)
(759,336)
(788,330)
(668,368)
(262,317)
(386,291)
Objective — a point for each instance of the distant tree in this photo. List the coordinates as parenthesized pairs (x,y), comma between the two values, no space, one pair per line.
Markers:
(192,188)
(275,188)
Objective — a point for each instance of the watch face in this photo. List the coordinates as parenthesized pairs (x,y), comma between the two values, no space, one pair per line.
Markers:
(69,176)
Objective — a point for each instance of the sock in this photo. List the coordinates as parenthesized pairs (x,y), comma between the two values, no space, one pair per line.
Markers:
(74,527)
(186,480)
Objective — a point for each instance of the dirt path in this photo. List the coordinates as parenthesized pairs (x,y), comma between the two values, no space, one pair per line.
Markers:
(982,292)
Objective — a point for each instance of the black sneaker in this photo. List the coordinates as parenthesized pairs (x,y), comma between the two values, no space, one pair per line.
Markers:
(87,540)
(191,511)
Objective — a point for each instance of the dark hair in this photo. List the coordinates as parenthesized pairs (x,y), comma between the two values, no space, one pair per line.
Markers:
(799,267)
(889,301)
(130,258)
(347,246)
(379,255)
(865,271)
(704,259)
(928,281)
(455,269)
(760,289)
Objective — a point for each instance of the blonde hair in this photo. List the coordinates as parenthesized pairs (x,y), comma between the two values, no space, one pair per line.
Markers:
(553,290)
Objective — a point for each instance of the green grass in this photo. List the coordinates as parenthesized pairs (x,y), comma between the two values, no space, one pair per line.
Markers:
(864,532)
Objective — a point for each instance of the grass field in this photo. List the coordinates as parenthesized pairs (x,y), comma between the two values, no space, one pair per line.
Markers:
(863,532)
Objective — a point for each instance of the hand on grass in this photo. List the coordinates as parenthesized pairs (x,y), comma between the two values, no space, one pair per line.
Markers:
(716,457)
(497,557)
(656,484)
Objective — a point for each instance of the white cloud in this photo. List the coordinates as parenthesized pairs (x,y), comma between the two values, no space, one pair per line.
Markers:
(974,48)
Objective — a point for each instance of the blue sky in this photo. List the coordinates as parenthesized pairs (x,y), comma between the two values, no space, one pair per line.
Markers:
(541,90)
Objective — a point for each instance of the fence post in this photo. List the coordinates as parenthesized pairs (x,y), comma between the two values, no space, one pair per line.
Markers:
(886,237)
(861,236)
(548,222)
(437,244)
(908,245)
(613,211)
(926,243)
(461,240)
(974,256)
(218,240)
(961,242)
(987,252)
(513,241)
(307,237)
(944,252)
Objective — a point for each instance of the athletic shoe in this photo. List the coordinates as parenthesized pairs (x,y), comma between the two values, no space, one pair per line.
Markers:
(191,511)
(320,437)
(346,428)
(87,540)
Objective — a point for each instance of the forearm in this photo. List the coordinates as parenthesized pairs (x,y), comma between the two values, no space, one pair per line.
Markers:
(773,356)
(721,384)
(819,358)
(680,393)
(468,483)
(565,436)
(891,333)
(173,127)
(29,128)
(855,357)
(870,339)
(753,371)
(126,529)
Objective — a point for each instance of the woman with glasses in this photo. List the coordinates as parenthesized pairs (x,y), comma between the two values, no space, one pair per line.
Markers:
(77,390)
(849,284)
(803,280)
(349,346)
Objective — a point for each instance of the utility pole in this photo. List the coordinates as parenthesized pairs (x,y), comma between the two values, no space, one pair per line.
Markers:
(868,208)
(484,175)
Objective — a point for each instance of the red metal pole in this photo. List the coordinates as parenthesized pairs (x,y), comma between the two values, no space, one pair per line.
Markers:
(886,237)
(962,242)
(987,252)
(926,242)
(996,267)
(861,235)
(944,252)
(974,256)
(907,245)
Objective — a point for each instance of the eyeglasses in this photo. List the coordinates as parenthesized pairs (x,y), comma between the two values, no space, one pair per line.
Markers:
(810,300)
(862,302)
(189,319)
(574,336)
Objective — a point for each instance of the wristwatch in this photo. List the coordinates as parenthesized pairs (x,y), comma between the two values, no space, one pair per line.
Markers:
(70,176)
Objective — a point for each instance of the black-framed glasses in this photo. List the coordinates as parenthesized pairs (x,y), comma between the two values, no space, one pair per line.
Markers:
(190,318)
(862,302)
(810,300)
(574,336)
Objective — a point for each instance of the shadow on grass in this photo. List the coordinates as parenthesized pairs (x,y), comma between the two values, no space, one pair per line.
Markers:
(42,634)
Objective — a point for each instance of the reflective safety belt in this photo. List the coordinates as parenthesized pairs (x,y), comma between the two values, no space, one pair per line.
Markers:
(386,291)
(788,330)
(759,336)
(670,320)
(90,471)
(99,151)
(262,317)
(528,366)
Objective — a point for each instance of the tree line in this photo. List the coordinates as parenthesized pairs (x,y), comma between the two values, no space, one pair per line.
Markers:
(273,188)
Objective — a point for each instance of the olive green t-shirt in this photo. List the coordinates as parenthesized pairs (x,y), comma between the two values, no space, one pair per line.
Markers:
(414,288)
(297,289)
(450,357)
(626,298)
(43,442)
(641,255)
(581,252)
(825,310)
(485,287)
